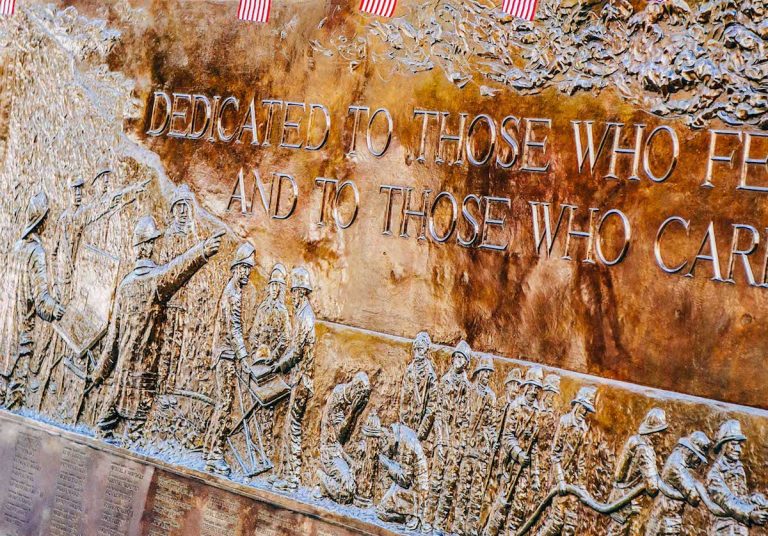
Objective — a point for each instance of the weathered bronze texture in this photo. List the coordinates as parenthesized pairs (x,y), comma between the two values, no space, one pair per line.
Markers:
(448,273)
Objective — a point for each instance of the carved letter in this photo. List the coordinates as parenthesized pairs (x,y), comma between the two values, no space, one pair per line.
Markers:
(341,224)
(219,128)
(530,143)
(468,242)
(214,115)
(326,130)
(369,137)
(675,153)
(627,238)
(325,195)
(249,123)
(657,245)
(488,221)
(589,151)
(588,234)
(176,114)
(510,140)
(390,190)
(617,150)
(454,138)
(266,203)
(355,124)
(270,104)
(295,195)
(238,194)
(196,134)
(296,125)
(748,160)
(491,141)
(426,114)
(158,130)
(409,213)
(548,235)
(451,225)
(717,158)
(743,253)
(709,239)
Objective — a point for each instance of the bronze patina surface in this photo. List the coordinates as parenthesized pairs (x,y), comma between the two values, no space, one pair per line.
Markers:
(448,272)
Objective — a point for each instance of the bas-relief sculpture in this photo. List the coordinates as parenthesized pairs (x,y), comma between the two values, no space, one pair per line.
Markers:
(698,60)
(198,365)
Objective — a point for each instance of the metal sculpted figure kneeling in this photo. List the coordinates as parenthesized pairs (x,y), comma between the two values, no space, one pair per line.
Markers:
(346,402)
(404,461)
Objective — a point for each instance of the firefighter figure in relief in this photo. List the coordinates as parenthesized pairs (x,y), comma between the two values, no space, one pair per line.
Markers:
(519,458)
(130,346)
(404,461)
(666,517)
(345,404)
(727,485)
(477,446)
(452,417)
(32,298)
(299,361)
(268,340)
(229,355)
(637,463)
(418,390)
(568,464)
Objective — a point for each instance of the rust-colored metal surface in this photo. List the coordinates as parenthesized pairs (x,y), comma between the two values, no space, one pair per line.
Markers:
(448,272)
(632,321)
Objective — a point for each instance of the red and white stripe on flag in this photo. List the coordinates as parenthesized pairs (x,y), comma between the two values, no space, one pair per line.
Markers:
(253,10)
(7,7)
(523,9)
(382,8)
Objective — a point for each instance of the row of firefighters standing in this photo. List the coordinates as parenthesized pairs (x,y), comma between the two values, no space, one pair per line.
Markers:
(512,454)
(137,328)
(135,323)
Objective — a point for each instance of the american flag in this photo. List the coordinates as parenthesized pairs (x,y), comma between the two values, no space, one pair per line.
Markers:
(524,9)
(382,8)
(252,10)
(7,7)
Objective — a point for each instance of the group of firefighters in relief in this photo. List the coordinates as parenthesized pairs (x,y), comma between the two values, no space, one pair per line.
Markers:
(457,461)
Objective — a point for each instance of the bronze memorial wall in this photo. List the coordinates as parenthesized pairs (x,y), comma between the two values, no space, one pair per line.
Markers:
(448,272)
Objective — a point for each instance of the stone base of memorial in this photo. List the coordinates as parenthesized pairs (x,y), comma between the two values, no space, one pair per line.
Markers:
(61,483)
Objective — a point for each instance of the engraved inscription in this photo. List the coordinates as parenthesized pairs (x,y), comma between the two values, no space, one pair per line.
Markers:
(67,511)
(219,517)
(24,482)
(123,483)
(172,500)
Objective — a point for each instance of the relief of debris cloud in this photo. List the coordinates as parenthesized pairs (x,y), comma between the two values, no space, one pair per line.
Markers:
(672,59)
